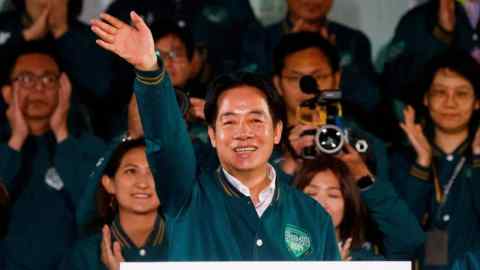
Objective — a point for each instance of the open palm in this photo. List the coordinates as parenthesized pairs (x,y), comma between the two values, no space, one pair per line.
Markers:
(133,43)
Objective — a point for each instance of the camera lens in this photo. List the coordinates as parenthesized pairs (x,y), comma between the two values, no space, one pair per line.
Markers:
(329,139)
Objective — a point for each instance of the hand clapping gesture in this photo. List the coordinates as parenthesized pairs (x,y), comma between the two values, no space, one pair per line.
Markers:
(416,137)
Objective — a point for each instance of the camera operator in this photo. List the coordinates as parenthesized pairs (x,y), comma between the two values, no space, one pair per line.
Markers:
(308,54)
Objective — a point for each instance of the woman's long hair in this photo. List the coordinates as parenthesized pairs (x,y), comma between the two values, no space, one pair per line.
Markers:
(353,223)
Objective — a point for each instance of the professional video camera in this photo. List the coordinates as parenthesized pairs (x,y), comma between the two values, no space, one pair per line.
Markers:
(324,111)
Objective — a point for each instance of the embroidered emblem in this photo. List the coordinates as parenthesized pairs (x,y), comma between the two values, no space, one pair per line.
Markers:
(53,180)
(4,37)
(297,240)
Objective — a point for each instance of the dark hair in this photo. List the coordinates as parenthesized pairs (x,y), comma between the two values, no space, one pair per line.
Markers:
(354,216)
(9,58)
(455,60)
(229,81)
(163,28)
(294,42)
(106,206)
(74,7)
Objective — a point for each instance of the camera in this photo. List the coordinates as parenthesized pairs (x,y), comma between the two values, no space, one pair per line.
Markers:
(324,111)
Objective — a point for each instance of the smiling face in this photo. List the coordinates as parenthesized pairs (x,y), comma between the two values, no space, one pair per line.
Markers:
(133,185)
(451,101)
(244,133)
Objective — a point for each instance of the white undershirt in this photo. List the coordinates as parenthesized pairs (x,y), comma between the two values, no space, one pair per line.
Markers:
(265,197)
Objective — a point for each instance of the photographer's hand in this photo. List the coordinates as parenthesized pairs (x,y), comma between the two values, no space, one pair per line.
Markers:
(354,161)
(416,137)
(133,43)
(297,141)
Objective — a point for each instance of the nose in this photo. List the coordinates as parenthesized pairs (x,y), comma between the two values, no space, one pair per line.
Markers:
(451,101)
(144,180)
(244,131)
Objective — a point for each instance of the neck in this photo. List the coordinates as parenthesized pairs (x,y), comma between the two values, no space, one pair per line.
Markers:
(256,181)
(449,142)
(38,127)
(138,227)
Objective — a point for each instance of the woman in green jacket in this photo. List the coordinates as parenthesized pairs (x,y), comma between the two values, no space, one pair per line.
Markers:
(351,201)
(126,200)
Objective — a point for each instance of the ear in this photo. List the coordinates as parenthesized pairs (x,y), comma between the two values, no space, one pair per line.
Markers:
(276,83)
(7,94)
(107,184)
(277,132)
(211,135)
(337,76)
(477,104)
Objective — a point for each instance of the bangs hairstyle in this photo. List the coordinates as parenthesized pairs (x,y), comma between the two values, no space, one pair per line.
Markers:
(237,79)
(354,215)
(454,60)
(299,41)
(105,205)
(9,58)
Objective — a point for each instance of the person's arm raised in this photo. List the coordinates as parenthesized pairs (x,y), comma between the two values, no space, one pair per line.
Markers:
(169,148)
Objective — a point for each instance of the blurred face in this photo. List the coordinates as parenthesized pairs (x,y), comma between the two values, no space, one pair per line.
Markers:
(309,10)
(451,101)
(133,185)
(174,55)
(244,134)
(312,62)
(325,189)
(35,80)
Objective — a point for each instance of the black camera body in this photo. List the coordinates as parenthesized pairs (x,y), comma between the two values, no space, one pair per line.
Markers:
(324,111)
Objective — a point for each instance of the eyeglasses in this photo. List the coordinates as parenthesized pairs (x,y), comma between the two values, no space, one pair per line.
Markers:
(173,55)
(29,80)
(294,80)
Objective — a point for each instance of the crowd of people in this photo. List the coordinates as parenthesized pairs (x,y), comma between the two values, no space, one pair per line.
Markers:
(202,131)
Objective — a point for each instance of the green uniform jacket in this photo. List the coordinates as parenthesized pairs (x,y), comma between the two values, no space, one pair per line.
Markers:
(41,225)
(213,221)
(86,253)
(471,261)
(460,216)
(401,233)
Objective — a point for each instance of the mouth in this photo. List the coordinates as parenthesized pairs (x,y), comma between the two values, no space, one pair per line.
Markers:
(245,149)
(141,196)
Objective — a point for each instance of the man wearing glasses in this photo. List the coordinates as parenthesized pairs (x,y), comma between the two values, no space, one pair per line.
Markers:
(43,163)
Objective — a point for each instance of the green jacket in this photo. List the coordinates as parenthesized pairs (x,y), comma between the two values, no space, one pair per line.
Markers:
(460,216)
(41,224)
(213,221)
(86,253)
(471,261)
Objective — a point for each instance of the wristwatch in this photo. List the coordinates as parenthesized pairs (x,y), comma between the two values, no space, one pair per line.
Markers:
(365,182)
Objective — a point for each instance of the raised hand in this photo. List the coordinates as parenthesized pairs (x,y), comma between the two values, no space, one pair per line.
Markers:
(297,141)
(58,18)
(345,250)
(197,105)
(446,14)
(58,121)
(16,119)
(39,28)
(416,137)
(133,43)
(354,162)
(111,256)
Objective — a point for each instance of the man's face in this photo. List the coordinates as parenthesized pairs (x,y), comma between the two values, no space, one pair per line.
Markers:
(451,101)
(244,133)
(35,80)
(312,62)
(174,55)
(309,10)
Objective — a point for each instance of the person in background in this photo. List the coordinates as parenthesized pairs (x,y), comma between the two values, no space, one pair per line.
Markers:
(437,173)
(44,160)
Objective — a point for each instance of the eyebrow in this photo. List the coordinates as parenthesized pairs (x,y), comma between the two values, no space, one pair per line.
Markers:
(328,188)
(254,112)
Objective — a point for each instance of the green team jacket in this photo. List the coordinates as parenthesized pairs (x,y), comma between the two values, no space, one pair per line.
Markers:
(86,253)
(213,221)
(41,224)
(460,216)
